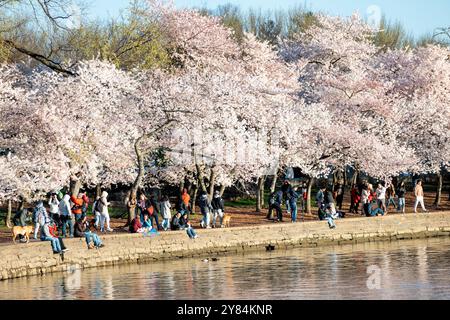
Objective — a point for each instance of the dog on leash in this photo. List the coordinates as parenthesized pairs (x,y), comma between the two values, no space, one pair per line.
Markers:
(226,221)
(24,231)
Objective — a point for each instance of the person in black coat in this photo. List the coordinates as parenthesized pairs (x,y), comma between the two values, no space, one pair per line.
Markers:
(275,201)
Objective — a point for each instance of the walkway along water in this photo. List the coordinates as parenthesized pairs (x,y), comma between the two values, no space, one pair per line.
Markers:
(37,258)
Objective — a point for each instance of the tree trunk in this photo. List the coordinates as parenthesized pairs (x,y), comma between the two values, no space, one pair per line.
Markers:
(222,190)
(181,186)
(200,177)
(212,182)
(262,192)
(98,191)
(194,199)
(274,182)
(258,194)
(138,181)
(437,201)
(355,177)
(308,201)
(75,186)
(9,215)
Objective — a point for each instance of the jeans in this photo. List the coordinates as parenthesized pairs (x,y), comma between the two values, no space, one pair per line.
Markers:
(401,205)
(67,221)
(217,213)
(294,211)
(191,233)
(154,216)
(331,223)
(166,223)
(376,212)
(55,243)
(104,217)
(97,219)
(390,201)
(36,229)
(419,200)
(206,220)
(303,204)
(95,238)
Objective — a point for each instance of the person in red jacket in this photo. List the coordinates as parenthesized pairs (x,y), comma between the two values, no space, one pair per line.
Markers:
(135,225)
(355,199)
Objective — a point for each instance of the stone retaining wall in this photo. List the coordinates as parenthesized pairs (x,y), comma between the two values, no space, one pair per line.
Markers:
(37,258)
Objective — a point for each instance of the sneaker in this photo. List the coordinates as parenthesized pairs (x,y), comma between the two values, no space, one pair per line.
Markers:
(65,250)
(110,230)
(208,227)
(101,246)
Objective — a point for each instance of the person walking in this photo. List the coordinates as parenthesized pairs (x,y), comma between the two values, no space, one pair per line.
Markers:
(304,198)
(205,209)
(293,198)
(320,196)
(339,196)
(418,192)
(96,213)
(355,199)
(286,189)
(390,197)
(40,217)
(104,214)
(66,215)
(365,195)
(401,193)
(381,196)
(218,208)
(165,212)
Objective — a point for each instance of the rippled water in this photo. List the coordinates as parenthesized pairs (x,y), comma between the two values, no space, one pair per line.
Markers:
(418,269)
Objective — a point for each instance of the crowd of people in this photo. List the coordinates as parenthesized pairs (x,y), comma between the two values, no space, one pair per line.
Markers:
(66,216)
(329,199)
(150,210)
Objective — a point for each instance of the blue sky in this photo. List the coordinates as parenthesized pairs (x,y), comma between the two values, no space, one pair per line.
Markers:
(418,16)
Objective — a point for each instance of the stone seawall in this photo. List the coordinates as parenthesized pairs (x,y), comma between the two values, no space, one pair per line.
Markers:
(23,260)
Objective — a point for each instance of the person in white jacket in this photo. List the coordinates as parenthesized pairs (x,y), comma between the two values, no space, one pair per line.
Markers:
(66,215)
(104,214)
(165,212)
(53,204)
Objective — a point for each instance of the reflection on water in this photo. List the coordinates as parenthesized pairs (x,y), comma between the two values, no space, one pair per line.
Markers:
(418,269)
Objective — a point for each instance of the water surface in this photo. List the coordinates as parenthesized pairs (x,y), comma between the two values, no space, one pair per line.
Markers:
(416,269)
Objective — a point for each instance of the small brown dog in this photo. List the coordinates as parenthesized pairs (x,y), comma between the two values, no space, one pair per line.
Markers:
(226,221)
(24,231)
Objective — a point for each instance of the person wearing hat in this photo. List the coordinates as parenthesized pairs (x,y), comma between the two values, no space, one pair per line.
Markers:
(218,209)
